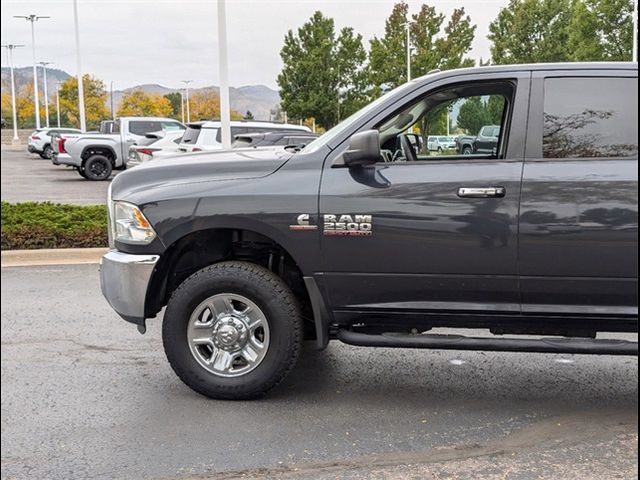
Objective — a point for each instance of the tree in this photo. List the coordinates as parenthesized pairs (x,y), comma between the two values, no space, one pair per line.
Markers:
(95,101)
(531,31)
(477,112)
(175,99)
(601,30)
(7,114)
(352,73)
(138,103)
(248,115)
(387,55)
(432,46)
(25,107)
(472,115)
(204,104)
(322,76)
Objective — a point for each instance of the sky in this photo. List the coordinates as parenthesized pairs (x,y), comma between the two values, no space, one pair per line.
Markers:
(160,41)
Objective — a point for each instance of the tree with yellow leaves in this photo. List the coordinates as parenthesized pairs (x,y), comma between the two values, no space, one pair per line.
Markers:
(205,105)
(95,102)
(138,103)
(25,107)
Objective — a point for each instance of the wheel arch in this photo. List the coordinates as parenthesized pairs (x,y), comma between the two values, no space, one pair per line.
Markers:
(257,243)
(91,150)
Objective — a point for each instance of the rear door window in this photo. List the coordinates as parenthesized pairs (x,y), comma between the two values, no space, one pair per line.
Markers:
(191,135)
(140,127)
(172,126)
(590,117)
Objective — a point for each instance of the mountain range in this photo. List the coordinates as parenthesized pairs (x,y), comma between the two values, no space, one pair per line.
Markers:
(259,99)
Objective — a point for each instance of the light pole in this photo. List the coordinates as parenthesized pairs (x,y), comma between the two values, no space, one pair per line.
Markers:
(33,19)
(58,102)
(186,86)
(83,121)
(182,105)
(635,30)
(10,47)
(113,114)
(408,27)
(225,110)
(46,92)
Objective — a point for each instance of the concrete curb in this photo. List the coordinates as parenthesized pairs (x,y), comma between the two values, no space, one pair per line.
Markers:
(55,256)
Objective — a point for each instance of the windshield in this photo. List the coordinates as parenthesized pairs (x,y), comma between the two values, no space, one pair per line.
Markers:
(348,122)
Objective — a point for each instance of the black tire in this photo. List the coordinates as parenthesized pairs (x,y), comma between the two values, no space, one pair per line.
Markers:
(82,172)
(467,150)
(270,294)
(97,168)
(47,153)
(439,150)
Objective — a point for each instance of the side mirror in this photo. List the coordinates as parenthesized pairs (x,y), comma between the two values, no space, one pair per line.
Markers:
(363,149)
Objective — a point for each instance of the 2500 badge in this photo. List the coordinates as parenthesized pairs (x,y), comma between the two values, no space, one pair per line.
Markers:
(345,225)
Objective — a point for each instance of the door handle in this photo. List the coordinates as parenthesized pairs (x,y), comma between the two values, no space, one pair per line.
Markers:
(482,192)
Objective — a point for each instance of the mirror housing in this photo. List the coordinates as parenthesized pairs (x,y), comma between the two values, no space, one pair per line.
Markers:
(363,149)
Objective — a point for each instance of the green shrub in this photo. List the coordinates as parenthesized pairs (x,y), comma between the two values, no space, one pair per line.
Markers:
(33,225)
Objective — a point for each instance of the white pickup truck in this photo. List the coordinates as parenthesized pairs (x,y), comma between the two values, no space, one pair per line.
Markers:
(96,155)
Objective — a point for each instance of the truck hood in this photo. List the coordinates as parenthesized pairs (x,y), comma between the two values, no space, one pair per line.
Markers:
(198,168)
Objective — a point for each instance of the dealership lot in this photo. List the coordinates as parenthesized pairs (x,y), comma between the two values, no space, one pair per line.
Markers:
(27,177)
(85,396)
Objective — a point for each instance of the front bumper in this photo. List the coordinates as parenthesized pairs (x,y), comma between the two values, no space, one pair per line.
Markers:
(124,279)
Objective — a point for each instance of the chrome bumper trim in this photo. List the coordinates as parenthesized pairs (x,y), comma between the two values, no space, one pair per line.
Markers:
(124,279)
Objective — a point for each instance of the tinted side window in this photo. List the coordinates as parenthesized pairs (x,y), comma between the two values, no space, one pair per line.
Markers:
(191,135)
(140,127)
(172,126)
(590,117)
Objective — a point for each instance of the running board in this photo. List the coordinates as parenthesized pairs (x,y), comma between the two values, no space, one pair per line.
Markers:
(459,342)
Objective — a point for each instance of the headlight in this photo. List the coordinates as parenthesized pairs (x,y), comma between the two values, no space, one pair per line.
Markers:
(129,225)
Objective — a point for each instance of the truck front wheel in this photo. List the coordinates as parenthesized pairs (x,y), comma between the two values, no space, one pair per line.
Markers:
(232,330)
(97,168)
(467,150)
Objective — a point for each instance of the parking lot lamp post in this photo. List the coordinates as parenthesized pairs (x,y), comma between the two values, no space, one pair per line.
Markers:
(46,92)
(58,102)
(635,30)
(10,48)
(408,27)
(113,112)
(33,19)
(83,121)
(182,105)
(225,109)
(186,87)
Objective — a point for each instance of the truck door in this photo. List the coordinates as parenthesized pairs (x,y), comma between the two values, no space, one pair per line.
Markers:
(579,212)
(487,139)
(419,233)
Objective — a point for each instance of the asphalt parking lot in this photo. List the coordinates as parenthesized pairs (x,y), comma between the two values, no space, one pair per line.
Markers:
(27,177)
(85,396)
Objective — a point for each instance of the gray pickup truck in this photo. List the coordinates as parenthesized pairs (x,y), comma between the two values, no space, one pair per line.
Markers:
(485,142)
(96,155)
(252,251)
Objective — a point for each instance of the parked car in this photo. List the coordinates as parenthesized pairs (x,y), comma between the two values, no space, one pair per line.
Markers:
(485,142)
(154,145)
(285,139)
(439,143)
(206,135)
(254,250)
(95,156)
(40,141)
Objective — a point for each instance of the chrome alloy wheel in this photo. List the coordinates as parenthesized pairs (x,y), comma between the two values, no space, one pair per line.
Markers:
(228,335)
